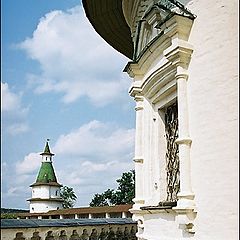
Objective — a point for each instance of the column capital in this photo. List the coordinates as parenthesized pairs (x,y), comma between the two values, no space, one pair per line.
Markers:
(182,73)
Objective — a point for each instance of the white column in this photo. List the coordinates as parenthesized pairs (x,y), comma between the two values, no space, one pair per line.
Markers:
(107,215)
(39,217)
(89,215)
(138,159)
(61,216)
(75,216)
(185,195)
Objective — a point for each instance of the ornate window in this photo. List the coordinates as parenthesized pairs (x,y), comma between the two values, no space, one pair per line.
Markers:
(172,153)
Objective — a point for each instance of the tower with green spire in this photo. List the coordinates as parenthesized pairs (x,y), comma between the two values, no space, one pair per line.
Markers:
(46,189)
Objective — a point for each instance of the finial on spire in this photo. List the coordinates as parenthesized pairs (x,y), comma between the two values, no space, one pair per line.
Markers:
(47,149)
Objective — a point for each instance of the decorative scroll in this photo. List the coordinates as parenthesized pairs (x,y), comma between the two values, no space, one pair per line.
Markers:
(172,154)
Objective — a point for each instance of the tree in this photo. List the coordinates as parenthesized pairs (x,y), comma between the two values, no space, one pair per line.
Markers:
(8,216)
(123,195)
(68,196)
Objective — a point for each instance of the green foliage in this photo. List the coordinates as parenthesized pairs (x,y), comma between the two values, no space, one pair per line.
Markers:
(69,197)
(122,195)
(8,216)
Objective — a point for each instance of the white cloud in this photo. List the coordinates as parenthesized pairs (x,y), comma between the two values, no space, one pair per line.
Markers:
(88,178)
(9,101)
(74,60)
(13,113)
(18,128)
(30,163)
(94,156)
(96,139)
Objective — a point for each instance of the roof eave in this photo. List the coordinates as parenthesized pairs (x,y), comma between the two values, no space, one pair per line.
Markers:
(109,22)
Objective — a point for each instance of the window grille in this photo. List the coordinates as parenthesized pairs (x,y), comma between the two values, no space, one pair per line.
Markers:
(172,153)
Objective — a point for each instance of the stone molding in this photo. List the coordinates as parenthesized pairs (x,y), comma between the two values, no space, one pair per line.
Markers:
(160,77)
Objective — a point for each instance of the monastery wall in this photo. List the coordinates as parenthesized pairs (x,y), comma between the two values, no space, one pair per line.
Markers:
(69,230)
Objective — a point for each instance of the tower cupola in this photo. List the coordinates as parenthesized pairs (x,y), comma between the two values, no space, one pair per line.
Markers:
(46,154)
(46,189)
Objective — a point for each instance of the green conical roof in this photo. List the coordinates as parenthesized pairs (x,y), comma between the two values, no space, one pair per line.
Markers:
(46,173)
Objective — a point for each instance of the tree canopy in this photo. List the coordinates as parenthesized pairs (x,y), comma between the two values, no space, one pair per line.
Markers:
(124,193)
(68,196)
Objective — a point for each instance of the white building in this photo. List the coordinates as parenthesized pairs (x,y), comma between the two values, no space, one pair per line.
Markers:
(46,189)
(184,66)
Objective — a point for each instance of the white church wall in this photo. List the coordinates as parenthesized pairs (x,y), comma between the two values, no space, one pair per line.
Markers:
(213,100)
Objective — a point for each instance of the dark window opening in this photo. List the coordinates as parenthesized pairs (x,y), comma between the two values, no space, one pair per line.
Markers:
(172,153)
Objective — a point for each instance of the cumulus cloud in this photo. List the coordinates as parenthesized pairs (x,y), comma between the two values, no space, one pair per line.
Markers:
(96,139)
(74,60)
(10,101)
(13,113)
(88,177)
(95,155)
(29,164)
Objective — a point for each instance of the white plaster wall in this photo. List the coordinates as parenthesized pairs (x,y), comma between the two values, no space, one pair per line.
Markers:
(44,206)
(213,103)
(53,191)
(41,191)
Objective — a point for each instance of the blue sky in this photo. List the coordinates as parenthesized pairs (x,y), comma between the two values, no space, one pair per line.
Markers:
(61,81)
